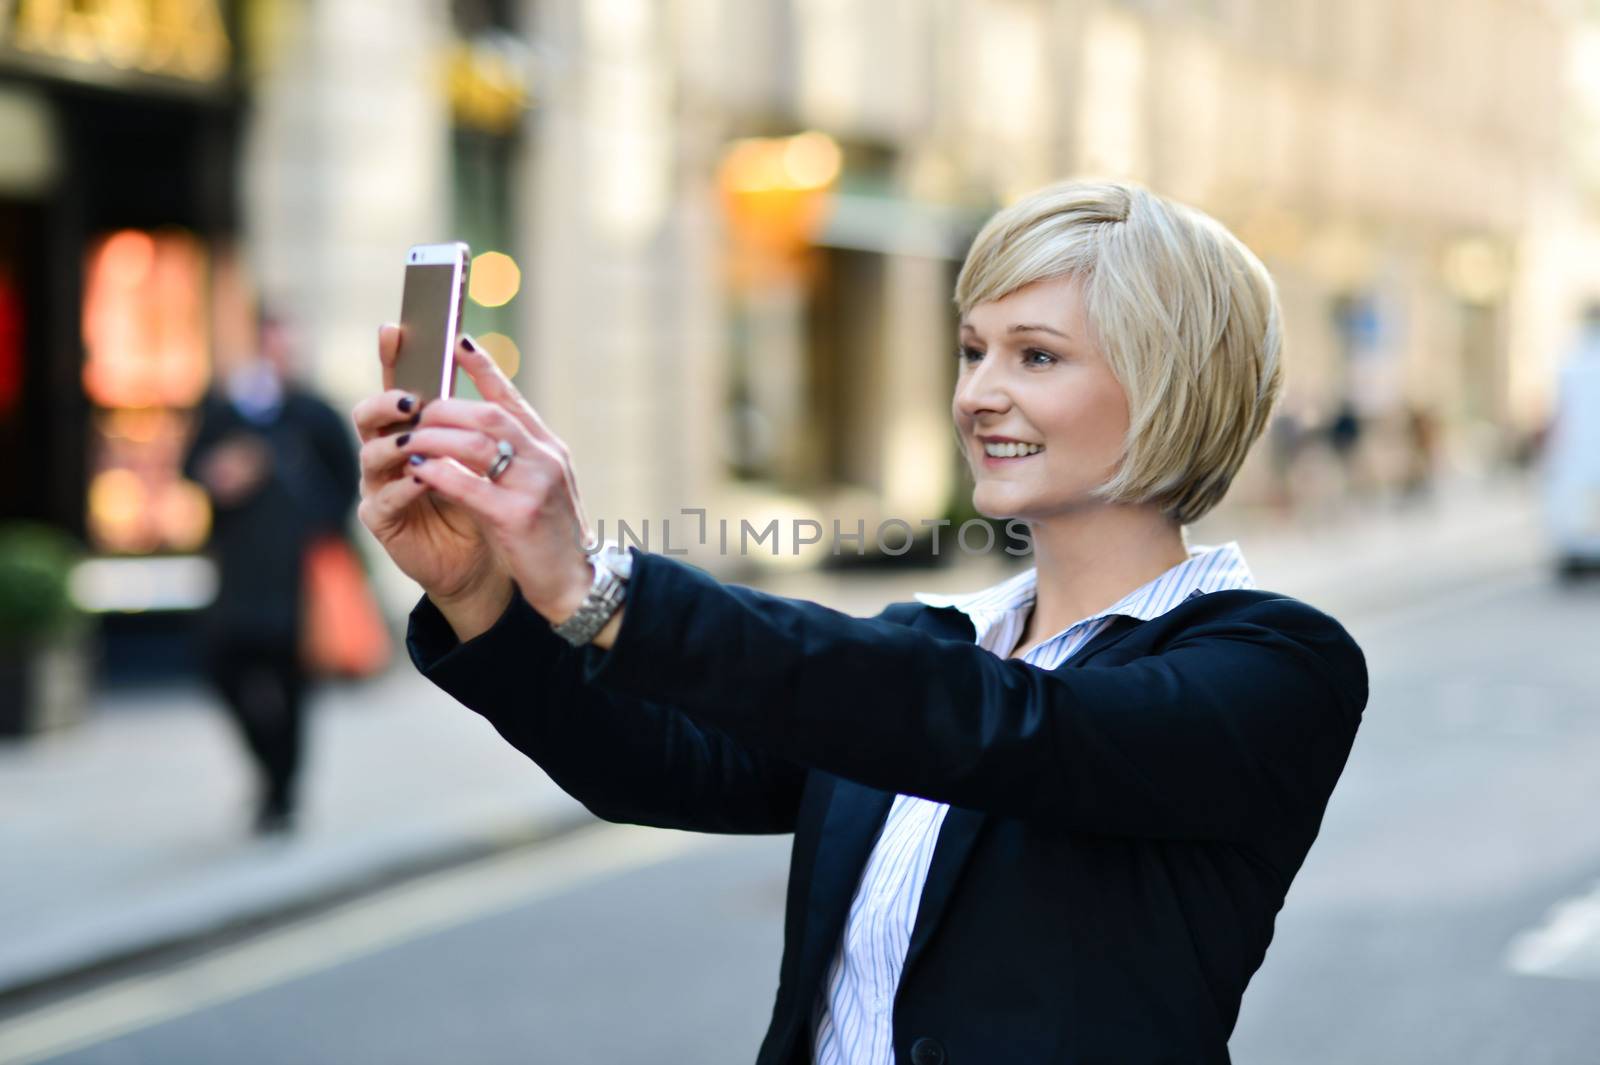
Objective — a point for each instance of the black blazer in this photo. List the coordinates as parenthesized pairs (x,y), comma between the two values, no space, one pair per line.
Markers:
(259,543)
(1122,829)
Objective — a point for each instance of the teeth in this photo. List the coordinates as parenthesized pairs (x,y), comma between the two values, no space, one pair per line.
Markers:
(1007,451)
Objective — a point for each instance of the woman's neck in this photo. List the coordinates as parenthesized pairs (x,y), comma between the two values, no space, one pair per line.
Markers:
(1089,559)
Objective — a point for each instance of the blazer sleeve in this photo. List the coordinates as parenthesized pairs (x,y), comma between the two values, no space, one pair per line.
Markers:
(1238,727)
(627,759)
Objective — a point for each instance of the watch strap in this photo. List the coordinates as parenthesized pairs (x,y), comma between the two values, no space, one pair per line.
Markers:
(605,598)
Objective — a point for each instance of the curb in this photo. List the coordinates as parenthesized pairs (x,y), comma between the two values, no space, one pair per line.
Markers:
(179,924)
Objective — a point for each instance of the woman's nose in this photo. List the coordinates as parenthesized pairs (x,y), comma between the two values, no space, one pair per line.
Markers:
(980,390)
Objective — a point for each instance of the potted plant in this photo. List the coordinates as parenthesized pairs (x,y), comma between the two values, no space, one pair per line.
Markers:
(43,658)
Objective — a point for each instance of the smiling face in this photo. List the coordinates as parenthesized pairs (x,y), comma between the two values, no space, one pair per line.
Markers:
(1029,371)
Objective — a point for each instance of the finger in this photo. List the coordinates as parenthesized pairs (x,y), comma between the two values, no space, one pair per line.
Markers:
(388,351)
(380,510)
(485,500)
(533,469)
(382,459)
(488,418)
(471,448)
(494,386)
(385,413)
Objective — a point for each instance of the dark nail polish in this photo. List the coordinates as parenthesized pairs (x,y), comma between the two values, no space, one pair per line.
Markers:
(406,403)
(416,460)
(402,440)
(467,343)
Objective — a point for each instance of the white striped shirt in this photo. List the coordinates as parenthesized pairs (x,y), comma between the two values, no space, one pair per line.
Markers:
(853,1013)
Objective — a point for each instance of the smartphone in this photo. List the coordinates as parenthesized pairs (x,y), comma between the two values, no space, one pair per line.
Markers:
(430,318)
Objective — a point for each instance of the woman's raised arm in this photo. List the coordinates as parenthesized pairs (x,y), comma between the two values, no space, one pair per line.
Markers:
(626,759)
(1239,725)
(475,636)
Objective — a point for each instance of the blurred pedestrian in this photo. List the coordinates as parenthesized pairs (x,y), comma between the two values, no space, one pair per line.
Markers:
(280,469)
(1345,433)
(1285,439)
(1572,455)
(1051,821)
(1421,454)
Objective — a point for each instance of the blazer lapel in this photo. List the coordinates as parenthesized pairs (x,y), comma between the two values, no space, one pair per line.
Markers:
(957,835)
(1114,633)
(855,816)
(961,828)
(849,829)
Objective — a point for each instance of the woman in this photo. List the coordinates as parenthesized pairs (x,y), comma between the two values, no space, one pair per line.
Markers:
(1049,822)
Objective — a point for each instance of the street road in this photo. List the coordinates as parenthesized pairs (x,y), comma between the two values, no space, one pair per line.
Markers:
(1450,912)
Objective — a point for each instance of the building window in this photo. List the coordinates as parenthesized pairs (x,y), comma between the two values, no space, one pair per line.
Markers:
(145,366)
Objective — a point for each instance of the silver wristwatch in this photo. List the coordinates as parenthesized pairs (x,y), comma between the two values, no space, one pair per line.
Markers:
(612,568)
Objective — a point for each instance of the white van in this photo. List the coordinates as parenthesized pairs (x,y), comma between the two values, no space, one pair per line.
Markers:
(1572,458)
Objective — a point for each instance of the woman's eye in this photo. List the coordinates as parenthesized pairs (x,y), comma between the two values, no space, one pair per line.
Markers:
(966,354)
(1031,352)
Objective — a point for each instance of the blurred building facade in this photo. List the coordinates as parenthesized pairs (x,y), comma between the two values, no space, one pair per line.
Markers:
(119,129)
(1402,167)
(722,312)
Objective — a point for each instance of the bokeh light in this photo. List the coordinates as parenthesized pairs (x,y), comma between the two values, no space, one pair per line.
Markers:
(496,279)
(126,258)
(752,166)
(144,319)
(777,190)
(117,500)
(1475,270)
(183,513)
(811,160)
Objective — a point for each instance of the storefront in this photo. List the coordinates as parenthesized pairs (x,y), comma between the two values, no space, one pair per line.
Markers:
(117,215)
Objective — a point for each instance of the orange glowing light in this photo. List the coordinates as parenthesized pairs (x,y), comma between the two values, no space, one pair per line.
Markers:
(183,513)
(753,166)
(496,278)
(144,320)
(116,507)
(126,258)
(776,190)
(811,160)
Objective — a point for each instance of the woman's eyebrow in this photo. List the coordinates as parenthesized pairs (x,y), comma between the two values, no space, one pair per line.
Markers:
(1035,327)
(1021,327)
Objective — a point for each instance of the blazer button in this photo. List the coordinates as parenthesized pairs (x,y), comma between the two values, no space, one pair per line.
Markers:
(927,1051)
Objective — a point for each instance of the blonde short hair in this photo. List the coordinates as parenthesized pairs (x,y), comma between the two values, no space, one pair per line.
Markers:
(1186,316)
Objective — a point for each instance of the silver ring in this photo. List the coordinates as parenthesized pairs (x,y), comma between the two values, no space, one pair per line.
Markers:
(502,460)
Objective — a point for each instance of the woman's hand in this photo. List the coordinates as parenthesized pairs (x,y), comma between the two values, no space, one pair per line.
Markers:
(435,543)
(531,514)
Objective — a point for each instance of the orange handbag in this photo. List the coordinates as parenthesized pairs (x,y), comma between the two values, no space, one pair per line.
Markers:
(344,633)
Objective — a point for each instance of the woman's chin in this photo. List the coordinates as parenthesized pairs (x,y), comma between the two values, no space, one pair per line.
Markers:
(996,505)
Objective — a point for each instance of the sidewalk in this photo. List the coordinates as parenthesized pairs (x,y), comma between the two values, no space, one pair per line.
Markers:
(128,832)
(131,831)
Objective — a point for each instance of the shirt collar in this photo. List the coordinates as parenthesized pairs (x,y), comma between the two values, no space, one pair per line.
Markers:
(1208,569)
